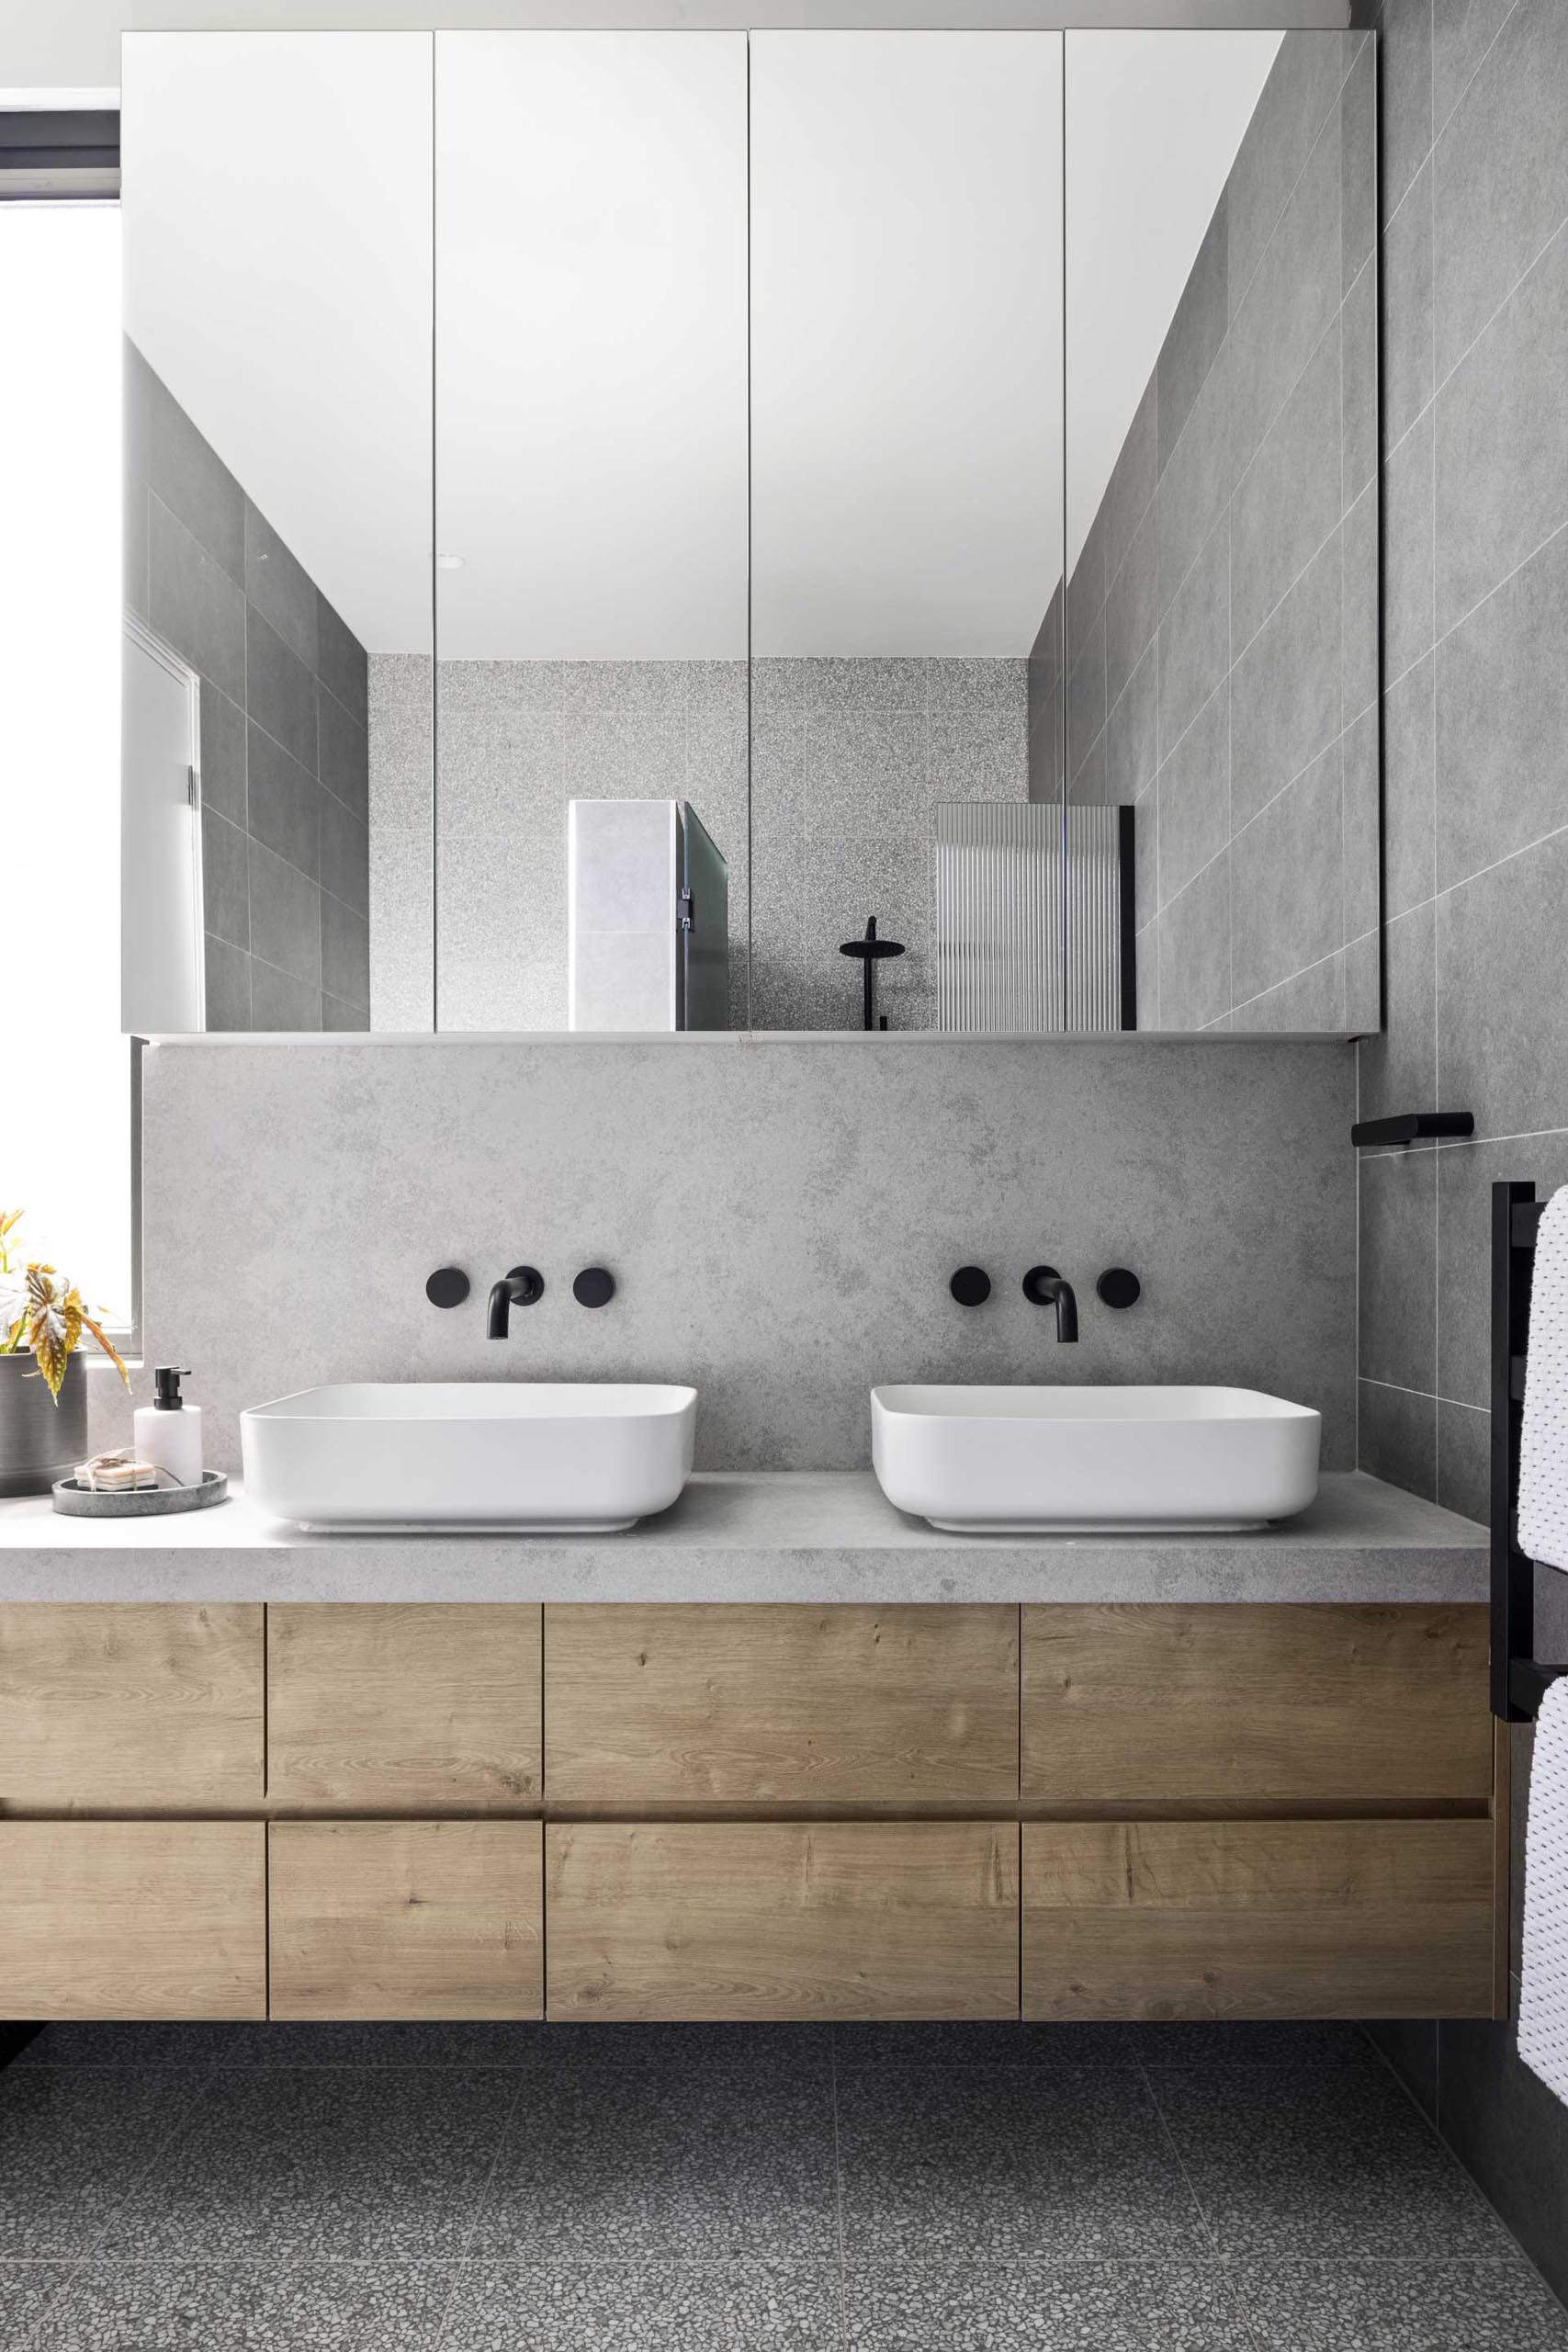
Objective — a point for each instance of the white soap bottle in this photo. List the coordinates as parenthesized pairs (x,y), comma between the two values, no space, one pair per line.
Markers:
(168,1432)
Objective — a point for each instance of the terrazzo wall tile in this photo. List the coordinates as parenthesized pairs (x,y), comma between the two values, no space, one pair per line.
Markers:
(284,721)
(1253,443)
(781,1218)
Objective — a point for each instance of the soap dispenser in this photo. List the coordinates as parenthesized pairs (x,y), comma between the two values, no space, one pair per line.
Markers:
(168,1432)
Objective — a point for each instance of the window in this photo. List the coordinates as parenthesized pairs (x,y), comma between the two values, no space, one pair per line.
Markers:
(65,1105)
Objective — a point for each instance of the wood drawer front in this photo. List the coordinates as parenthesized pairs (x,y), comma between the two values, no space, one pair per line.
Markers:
(1255,1704)
(1257,1918)
(133,1919)
(406,1919)
(129,1707)
(761,1704)
(376,1708)
(782,1919)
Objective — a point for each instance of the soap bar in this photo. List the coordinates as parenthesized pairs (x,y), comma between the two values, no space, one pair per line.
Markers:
(113,1473)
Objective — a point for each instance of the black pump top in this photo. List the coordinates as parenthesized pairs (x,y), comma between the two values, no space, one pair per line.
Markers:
(166,1382)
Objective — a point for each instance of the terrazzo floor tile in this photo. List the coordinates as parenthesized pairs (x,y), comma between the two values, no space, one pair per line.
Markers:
(27,2290)
(74,2141)
(646,2307)
(280,2044)
(804,2050)
(1292,2162)
(1059,2163)
(1403,2307)
(1008,2043)
(250,2307)
(656,2161)
(313,2164)
(1040,2307)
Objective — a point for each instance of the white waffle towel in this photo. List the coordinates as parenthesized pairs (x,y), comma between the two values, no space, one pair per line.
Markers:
(1543,2000)
(1543,1447)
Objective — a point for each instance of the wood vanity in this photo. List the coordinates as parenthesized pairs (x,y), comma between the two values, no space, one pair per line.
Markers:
(614,1809)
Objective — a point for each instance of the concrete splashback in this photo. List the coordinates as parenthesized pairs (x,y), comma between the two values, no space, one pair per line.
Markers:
(781,1218)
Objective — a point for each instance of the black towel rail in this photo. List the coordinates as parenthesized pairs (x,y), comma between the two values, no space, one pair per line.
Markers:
(1518,1682)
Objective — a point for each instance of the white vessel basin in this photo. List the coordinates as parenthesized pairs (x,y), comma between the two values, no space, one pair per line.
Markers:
(550,1458)
(1029,1461)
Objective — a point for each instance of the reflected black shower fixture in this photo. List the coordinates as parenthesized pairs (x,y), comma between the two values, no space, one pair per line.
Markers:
(870,951)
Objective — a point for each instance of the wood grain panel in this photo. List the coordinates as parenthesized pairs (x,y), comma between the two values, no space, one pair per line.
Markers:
(782,1919)
(406,1919)
(373,1707)
(764,1704)
(133,1919)
(1270,1702)
(129,1707)
(1258,1919)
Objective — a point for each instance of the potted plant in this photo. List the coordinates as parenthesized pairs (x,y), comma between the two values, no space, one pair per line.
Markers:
(43,1392)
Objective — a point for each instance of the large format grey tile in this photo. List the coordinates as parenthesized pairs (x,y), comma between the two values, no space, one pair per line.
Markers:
(72,2144)
(1132,734)
(1405,68)
(279,586)
(637,2160)
(1298,99)
(1195,638)
(1399,1268)
(1288,501)
(1058,2163)
(227,972)
(1502,1021)
(1358,164)
(1132,605)
(1285,690)
(1290,305)
(1044,2307)
(1132,480)
(1085,698)
(1400,2307)
(284,803)
(346,855)
(225,879)
(1502,719)
(186,474)
(1464,1465)
(1398,1436)
(1195,950)
(1195,796)
(285,916)
(181,2306)
(1361,648)
(1194,335)
(1359,387)
(1466,1174)
(193,604)
(280,691)
(345,955)
(1322,2165)
(660,2305)
(222,753)
(1362,782)
(1399,1070)
(1406,305)
(343,754)
(1462,32)
(279,1000)
(1502,442)
(1407,551)
(342,664)
(1502,174)
(1286,883)
(803,2052)
(1196,482)
(1410,2046)
(1409,789)
(316,2165)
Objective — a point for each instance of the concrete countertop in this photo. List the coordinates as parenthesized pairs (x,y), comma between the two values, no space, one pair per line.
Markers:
(793,1535)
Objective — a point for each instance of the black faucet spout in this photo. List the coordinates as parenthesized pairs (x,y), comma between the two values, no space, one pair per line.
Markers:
(1044,1286)
(521,1287)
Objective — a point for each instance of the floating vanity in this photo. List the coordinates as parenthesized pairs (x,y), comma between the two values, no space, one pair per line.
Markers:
(780,1753)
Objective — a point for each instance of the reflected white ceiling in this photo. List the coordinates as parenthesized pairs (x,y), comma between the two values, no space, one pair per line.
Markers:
(906,421)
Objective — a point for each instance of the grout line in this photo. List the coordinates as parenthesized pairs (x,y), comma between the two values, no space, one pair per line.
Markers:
(838,2184)
(1432,1396)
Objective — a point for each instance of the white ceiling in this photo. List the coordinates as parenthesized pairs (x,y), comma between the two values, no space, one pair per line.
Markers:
(905,423)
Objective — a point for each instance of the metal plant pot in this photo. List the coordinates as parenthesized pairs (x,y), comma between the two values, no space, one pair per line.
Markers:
(40,1441)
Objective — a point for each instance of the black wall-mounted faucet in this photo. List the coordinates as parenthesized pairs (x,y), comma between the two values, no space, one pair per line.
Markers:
(521,1287)
(1044,1286)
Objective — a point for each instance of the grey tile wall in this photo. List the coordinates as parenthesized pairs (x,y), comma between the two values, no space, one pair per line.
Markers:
(781,1218)
(1474,244)
(1222,630)
(847,759)
(284,729)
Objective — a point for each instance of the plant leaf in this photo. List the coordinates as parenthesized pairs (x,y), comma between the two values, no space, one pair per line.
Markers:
(107,1346)
(54,1324)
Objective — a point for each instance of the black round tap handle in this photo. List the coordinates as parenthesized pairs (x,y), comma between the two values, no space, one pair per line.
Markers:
(594,1287)
(447,1286)
(971,1285)
(1119,1287)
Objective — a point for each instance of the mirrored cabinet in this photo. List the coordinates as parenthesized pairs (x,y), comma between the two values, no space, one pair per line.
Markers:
(638,531)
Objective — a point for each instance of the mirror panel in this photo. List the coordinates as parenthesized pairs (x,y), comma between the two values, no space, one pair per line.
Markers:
(906,529)
(279,434)
(1222,516)
(591,496)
